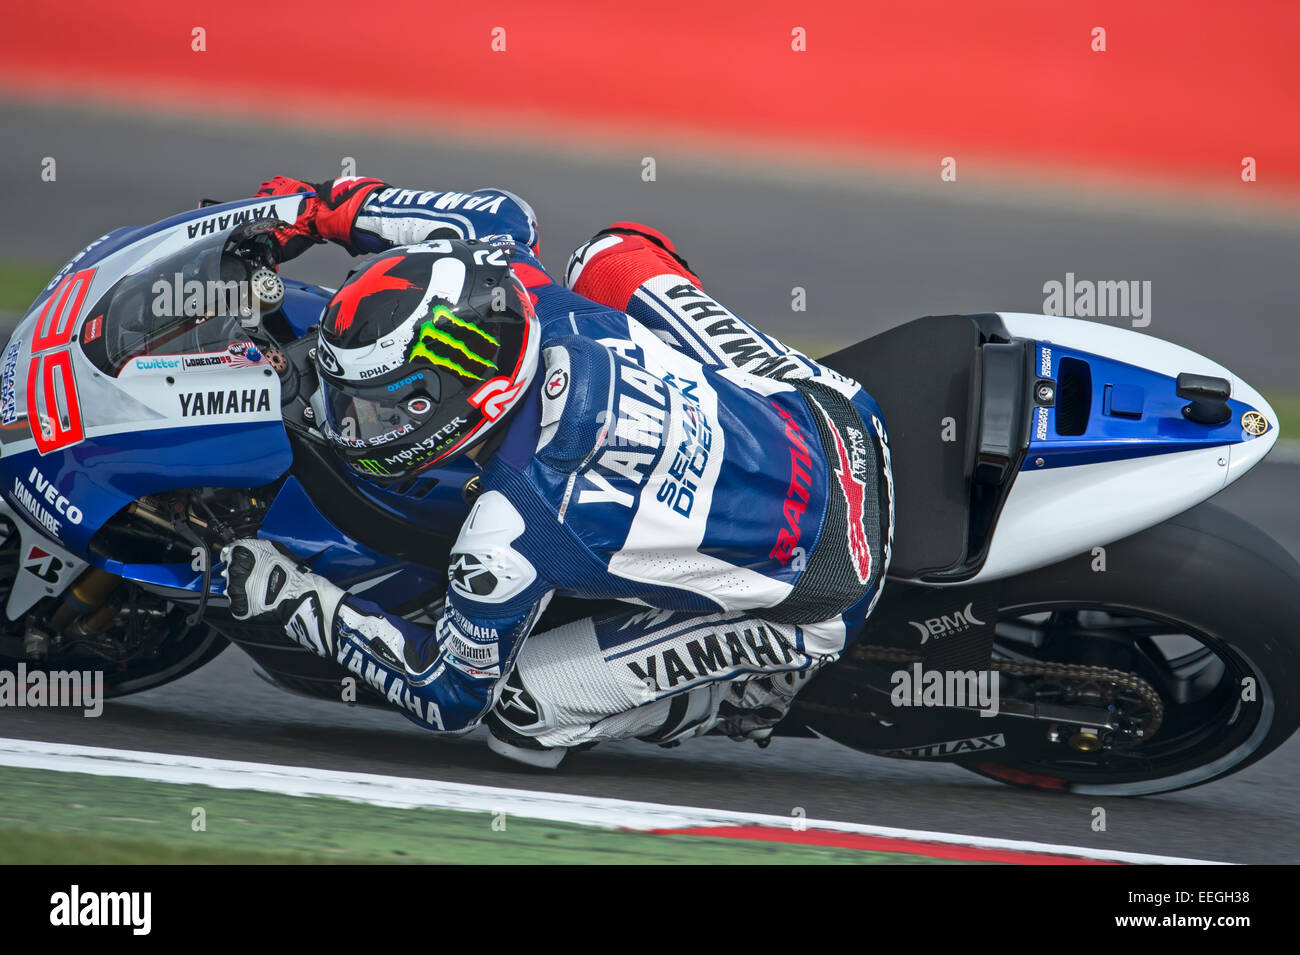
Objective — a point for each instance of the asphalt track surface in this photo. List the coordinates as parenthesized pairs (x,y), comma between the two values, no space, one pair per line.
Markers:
(871,252)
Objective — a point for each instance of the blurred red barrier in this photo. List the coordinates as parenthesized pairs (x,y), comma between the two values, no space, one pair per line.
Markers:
(1183,91)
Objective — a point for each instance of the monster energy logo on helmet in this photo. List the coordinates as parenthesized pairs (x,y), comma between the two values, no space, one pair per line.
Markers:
(373,466)
(446,340)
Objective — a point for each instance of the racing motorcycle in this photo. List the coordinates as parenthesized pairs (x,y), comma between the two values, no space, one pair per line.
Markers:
(1049,477)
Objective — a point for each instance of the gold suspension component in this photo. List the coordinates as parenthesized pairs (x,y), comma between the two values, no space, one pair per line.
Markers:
(85,596)
(1085,741)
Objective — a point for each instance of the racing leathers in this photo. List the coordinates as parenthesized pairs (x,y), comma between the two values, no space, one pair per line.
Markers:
(727,496)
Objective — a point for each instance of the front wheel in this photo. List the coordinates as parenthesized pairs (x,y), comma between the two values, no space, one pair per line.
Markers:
(1202,609)
(139,640)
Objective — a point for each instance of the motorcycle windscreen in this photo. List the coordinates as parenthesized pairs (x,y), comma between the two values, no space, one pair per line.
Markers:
(186,303)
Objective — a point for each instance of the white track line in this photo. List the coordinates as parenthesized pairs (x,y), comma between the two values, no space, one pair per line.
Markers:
(406,793)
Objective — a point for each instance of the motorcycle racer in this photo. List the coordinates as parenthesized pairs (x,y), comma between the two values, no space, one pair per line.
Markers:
(638,442)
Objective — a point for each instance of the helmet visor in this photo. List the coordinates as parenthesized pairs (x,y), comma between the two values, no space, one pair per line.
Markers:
(385,429)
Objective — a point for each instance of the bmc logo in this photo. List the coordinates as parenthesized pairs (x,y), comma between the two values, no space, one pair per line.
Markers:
(958,622)
(51,369)
(494,398)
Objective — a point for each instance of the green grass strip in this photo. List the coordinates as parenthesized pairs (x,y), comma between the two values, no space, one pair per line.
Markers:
(1288,414)
(20,283)
(75,818)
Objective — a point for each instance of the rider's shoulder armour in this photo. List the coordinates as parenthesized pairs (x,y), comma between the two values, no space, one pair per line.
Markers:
(576,401)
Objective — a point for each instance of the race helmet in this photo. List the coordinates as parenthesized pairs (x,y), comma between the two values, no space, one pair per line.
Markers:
(423,353)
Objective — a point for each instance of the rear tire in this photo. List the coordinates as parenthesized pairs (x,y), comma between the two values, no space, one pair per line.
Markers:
(1218,579)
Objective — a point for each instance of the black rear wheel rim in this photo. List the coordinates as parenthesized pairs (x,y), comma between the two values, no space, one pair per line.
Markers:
(1208,728)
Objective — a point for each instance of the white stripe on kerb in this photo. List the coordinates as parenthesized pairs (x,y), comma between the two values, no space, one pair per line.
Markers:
(408,793)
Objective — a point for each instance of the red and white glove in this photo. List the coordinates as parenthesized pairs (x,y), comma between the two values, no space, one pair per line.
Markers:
(329,215)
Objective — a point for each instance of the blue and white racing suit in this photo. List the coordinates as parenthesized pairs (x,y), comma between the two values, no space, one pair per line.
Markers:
(733,493)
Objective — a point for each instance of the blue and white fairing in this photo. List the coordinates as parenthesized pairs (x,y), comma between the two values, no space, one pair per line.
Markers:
(115,432)
(115,428)
(1137,461)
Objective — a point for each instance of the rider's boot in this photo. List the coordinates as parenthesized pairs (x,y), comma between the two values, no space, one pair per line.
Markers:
(752,709)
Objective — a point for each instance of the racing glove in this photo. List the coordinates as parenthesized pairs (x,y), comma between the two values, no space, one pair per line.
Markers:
(268,584)
(328,215)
